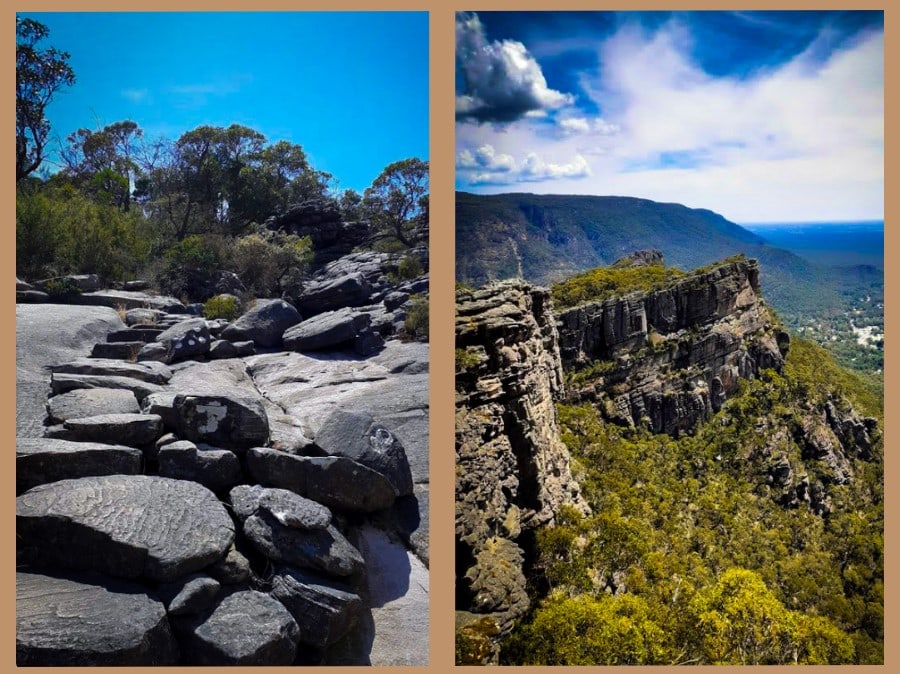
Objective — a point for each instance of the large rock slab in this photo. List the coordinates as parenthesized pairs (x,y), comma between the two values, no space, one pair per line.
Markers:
(246,628)
(152,373)
(43,460)
(63,383)
(326,331)
(89,622)
(360,437)
(48,335)
(265,323)
(185,340)
(134,430)
(129,300)
(324,609)
(349,290)
(120,350)
(216,469)
(226,421)
(334,481)
(325,550)
(123,525)
(91,402)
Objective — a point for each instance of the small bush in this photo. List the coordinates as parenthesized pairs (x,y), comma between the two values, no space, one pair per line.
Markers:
(466,360)
(416,324)
(59,288)
(222,306)
(409,268)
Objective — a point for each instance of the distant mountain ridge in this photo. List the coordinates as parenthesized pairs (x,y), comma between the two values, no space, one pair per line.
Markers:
(545,238)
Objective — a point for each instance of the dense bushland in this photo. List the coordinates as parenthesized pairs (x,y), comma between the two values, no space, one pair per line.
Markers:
(688,556)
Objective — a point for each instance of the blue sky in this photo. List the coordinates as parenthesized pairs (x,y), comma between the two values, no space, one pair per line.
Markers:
(350,87)
(760,116)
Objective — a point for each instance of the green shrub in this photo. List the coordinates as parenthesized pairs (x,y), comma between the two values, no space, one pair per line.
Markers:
(604,282)
(59,288)
(466,359)
(416,324)
(222,306)
(269,263)
(409,268)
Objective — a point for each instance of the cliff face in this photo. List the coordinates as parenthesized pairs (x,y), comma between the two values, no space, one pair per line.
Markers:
(512,470)
(671,357)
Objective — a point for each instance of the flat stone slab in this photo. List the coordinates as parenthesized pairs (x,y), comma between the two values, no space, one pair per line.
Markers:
(91,402)
(123,525)
(134,430)
(89,622)
(135,334)
(43,460)
(47,335)
(246,628)
(120,350)
(324,609)
(334,481)
(63,383)
(152,373)
(326,550)
(129,300)
(345,291)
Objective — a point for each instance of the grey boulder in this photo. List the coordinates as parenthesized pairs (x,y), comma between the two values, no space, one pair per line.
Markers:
(358,436)
(83,621)
(123,525)
(216,469)
(133,430)
(326,330)
(264,324)
(91,402)
(288,508)
(334,481)
(227,421)
(246,628)
(324,609)
(186,339)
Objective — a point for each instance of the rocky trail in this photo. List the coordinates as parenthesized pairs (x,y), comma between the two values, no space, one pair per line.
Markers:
(205,492)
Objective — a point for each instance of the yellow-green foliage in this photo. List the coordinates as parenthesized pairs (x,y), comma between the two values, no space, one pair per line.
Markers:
(466,359)
(60,231)
(692,529)
(416,323)
(590,372)
(409,268)
(604,282)
(222,306)
(267,263)
(474,642)
(809,363)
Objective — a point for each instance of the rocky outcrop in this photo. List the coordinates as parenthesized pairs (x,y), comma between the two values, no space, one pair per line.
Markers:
(320,219)
(670,358)
(512,469)
(140,474)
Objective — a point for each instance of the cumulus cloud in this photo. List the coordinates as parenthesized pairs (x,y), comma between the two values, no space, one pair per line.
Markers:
(798,140)
(501,81)
(486,166)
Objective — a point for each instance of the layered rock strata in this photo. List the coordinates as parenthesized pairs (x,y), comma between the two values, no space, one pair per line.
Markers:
(670,358)
(513,471)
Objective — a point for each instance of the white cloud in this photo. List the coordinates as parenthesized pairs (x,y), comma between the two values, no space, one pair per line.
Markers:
(486,166)
(135,95)
(502,81)
(803,140)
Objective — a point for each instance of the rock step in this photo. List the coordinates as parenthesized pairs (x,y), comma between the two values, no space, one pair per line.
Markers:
(45,460)
(135,334)
(63,383)
(117,350)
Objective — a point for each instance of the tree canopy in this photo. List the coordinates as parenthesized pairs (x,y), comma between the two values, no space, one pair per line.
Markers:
(40,73)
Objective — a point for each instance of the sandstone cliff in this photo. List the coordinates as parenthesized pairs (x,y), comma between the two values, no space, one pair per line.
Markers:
(669,358)
(512,470)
